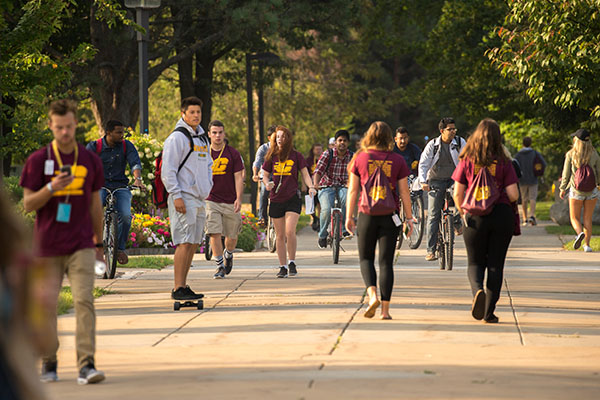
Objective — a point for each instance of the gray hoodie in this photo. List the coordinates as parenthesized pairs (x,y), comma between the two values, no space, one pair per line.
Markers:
(195,177)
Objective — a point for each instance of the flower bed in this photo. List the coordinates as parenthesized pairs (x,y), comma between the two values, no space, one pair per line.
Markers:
(149,232)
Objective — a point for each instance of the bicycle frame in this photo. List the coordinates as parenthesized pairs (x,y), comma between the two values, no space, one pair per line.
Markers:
(110,238)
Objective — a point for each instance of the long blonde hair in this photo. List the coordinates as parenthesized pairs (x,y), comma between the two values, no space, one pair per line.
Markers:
(378,137)
(581,151)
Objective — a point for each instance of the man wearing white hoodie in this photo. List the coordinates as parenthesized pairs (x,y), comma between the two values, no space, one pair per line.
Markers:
(187,176)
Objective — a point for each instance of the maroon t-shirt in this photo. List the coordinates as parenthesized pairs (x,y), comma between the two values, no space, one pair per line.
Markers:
(394,168)
(502,171)
(285,176)
(223,170)
(55,238)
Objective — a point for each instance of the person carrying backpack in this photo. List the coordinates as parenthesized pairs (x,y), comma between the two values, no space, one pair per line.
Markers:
(532,167)
(488,232)
(436,165)
(380,172)
(187,176)
(116,153)
(581,177)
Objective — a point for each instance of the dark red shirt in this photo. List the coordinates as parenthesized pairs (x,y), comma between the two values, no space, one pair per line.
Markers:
(223,171)
(62,238)
(394,168)
(502,171)
(285,176)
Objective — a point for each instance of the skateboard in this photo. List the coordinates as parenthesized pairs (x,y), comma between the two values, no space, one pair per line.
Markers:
(199,304)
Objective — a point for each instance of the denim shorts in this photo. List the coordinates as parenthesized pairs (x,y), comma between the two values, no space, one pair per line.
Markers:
(594,194)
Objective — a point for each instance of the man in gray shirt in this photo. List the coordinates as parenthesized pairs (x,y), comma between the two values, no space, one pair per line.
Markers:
(437,163)
(528,183)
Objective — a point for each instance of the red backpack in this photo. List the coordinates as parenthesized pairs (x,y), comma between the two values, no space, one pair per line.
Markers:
(99,147)
(377,193)
(584,179)
(483,193)
(159,192)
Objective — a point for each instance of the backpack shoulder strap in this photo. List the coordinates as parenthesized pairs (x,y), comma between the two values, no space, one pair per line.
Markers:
(99,146)
(124,148)
(330,154)
(187,134)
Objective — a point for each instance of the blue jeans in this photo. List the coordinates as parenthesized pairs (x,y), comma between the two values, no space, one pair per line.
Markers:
(437,193)
(123,197)
(326,199)
(263,202)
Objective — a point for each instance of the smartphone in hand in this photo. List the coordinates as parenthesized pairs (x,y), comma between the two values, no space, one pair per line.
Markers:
(66,168)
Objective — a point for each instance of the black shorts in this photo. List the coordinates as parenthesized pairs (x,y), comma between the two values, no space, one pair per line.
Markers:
(278,210)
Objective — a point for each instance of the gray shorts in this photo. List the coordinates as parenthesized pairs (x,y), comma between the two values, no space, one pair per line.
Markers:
(594,194)
(529,192)
(188,227)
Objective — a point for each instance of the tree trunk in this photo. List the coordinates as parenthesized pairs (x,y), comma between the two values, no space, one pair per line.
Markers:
(203,84)
(115,94)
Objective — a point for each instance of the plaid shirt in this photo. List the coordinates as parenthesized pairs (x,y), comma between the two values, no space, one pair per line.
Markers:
(337,174)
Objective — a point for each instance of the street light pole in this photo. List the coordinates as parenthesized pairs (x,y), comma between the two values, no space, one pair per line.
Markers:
(142,8)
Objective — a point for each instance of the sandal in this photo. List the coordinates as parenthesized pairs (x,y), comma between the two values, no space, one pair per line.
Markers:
(370,313)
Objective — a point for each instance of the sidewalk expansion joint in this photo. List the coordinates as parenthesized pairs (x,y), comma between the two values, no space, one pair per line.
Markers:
(204,311)
(339,339)
(514,312)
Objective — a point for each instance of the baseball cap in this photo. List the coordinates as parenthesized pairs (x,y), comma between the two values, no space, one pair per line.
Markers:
(582,134)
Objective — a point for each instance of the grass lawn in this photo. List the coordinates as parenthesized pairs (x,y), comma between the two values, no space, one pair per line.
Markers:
(303,221)
(567,230)
(542,210)
(65,298)
(151,262)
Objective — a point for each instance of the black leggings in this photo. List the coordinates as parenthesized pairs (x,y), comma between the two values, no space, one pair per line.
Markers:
(370,230)
(487,239)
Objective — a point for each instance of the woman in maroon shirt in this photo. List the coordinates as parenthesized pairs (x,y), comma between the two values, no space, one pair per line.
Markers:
(280,175)
(486,237)
(374,226)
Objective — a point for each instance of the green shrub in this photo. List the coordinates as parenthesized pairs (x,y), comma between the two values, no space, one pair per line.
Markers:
(247,238)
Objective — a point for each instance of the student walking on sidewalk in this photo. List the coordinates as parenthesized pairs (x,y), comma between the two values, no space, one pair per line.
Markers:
(486,237)
(582,156)
(377,223)
(283,164)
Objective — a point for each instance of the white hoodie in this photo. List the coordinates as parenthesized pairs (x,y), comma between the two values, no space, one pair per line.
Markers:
(195,177)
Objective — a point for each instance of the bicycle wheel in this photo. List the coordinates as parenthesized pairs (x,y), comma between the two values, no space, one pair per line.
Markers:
(271,237)
(449,240)
(336,237)
(441,252)
(414,241)
(110,244)
(207,249)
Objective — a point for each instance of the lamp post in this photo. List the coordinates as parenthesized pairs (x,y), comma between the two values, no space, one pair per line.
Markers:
(142,8)
(266,58)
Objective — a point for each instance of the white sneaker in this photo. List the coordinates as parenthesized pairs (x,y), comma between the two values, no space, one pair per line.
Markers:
(587,249)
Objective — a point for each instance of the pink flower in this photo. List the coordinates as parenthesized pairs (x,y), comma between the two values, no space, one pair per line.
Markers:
(133,234)
(133,239)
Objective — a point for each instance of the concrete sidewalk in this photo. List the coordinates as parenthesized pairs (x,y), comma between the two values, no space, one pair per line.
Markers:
(306,338)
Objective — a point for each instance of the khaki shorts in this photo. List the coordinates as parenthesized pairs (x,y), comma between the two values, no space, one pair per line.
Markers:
(529,192)
(220,218)
(188,227)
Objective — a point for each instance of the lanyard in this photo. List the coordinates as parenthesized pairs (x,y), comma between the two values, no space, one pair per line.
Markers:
(220,154)
(57,154)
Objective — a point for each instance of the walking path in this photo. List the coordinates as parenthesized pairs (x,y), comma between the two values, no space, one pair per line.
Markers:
(306,338)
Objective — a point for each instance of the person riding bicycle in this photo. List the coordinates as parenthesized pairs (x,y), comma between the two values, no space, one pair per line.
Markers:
(436,165)
(263,200)
(116,152)
(332,169)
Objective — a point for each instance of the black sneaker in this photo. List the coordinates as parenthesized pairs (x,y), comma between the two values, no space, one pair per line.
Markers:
(283,272)
(220,273)
(228,264)
(533,221)
(49,372)
(322,243)
(89,374)
(185,293)
(578,239)
(491,319)
(315,225)
(292,269)
(346,235)
(478,307)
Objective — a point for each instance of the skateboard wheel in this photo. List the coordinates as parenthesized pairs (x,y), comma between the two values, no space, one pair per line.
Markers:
(176,306)
(200,305)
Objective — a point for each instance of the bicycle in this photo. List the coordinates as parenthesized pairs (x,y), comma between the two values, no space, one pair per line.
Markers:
(445,241)
(418,213)
(271,236)
(335,225)
(110,235)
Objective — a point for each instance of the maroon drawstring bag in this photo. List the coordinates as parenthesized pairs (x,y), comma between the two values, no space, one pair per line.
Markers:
(377,193)
(483,193)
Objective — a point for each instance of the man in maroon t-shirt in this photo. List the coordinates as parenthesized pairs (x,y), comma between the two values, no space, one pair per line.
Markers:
(61,183)
(224,203)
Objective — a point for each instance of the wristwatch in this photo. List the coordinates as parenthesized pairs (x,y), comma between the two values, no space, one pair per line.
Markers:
(49,187)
